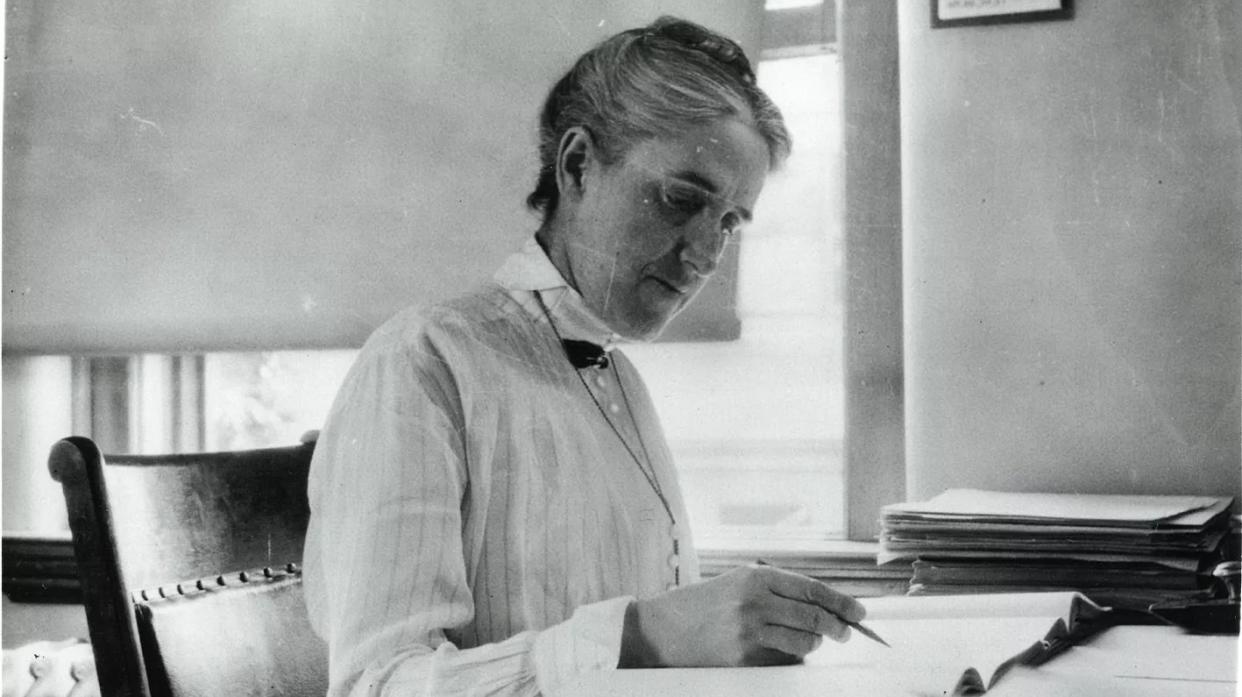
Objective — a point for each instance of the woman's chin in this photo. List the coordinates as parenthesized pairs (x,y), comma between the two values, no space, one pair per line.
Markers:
(648,325)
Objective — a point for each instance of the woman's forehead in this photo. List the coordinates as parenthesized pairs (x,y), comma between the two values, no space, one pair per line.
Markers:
(726,153)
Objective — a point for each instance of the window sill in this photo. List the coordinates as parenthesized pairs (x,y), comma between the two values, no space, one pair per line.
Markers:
(849,567)
(40,568)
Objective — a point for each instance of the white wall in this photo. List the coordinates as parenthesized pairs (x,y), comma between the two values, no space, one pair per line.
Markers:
(1071,225)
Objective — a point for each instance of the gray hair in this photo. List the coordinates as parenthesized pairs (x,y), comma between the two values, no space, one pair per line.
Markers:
(652,82)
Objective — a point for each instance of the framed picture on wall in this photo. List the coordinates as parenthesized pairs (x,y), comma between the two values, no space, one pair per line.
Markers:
(956,13)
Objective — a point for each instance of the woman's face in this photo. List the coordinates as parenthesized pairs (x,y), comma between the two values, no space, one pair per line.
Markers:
(650,228)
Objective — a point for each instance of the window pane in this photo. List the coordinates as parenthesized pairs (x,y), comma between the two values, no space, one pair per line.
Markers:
(255,400)
(38,411)
(756,424)
(790,4)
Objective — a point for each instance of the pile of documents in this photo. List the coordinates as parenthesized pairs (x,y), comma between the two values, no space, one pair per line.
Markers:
(1126,551)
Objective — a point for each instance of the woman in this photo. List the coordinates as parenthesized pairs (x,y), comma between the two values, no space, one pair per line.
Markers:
(494,508)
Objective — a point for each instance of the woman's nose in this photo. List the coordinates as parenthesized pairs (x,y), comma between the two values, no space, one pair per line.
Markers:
(702,248)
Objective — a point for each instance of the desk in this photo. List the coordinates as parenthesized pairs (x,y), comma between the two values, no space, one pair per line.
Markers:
(1127,661)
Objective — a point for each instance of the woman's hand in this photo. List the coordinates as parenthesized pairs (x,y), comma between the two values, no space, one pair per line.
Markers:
(751,616)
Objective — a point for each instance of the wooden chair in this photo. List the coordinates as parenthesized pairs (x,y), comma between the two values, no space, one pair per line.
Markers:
(156,521)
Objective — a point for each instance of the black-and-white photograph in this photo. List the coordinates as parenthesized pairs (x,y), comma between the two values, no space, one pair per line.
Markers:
(621,348)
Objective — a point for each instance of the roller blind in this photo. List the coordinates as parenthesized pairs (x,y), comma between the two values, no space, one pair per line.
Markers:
(185,176)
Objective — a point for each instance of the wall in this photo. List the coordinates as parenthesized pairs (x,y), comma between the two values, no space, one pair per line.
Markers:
(183,176)
(1071,219)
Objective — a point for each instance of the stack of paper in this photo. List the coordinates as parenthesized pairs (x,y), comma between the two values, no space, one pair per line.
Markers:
(1129,551)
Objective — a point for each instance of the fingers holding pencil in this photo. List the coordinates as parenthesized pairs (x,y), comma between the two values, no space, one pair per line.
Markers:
(752,615)
(837,611)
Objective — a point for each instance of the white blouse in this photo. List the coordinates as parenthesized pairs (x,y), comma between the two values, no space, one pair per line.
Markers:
(477,524)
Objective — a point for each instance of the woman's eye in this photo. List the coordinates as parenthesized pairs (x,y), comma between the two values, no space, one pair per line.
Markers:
(683,201)
(731,225)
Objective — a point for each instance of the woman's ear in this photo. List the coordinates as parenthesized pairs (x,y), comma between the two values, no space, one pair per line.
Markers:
(573,158)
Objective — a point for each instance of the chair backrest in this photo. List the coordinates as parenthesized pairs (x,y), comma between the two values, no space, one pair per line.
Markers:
(241,635)
(142,521)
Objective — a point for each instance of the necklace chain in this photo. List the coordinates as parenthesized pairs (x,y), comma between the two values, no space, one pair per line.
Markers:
(651,478)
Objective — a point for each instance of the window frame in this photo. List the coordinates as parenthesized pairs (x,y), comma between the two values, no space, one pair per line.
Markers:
(865,32)
(875,463)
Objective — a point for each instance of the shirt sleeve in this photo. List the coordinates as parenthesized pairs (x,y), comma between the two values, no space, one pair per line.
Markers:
(384,570)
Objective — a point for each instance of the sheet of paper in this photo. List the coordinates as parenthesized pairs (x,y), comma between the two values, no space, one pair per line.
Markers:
(1141,653)
(1189,563)
(1135,661)
(1139,661)
(1039,682)
(931,654)
(1048,606)
(1133,509)
(735,682)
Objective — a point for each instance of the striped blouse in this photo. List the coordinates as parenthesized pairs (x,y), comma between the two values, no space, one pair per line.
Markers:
(478,525)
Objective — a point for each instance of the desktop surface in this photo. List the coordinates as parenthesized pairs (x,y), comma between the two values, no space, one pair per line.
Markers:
(1129,661)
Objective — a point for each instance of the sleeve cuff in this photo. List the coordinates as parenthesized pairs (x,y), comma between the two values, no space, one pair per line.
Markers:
(589,640)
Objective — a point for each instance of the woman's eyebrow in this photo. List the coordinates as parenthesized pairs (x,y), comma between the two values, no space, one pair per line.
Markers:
(709,187)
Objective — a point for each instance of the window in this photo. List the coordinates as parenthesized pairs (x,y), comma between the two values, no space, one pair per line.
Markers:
(758,425)
(254,400)
(38,409)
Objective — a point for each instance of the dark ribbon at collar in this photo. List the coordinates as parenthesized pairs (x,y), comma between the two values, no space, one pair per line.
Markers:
(584,354)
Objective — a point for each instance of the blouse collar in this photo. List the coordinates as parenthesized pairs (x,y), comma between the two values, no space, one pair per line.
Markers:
(531,270)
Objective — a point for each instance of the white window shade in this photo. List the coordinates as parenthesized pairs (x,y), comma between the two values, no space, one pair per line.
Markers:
(280,174)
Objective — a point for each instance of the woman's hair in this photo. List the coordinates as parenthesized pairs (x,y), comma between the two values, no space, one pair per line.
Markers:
(651,82)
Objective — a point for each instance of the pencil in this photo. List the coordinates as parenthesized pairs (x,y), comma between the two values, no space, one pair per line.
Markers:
(866,631)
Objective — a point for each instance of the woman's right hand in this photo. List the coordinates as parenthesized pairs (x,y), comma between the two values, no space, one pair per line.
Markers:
(753,615)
